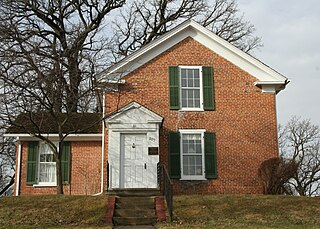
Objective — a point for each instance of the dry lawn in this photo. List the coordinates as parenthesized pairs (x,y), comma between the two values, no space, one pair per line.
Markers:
(53,211)
(245,211)
(196,211)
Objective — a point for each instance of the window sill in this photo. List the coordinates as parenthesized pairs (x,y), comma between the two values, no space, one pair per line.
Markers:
(44,185)
(193,179)
(191,109)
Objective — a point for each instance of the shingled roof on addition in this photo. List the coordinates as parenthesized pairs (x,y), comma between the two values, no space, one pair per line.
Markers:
(44,123)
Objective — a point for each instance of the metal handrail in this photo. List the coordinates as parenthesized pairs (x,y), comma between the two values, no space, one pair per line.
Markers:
(166,188)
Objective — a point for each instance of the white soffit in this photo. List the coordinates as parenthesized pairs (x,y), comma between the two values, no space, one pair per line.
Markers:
(254,67)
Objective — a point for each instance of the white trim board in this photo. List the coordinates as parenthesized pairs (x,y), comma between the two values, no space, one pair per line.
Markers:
(263,73)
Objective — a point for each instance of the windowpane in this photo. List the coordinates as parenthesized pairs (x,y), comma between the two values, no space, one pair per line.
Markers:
(196,94)
(184,103)
(184,82)
(197,103)
(196,73)
(183,73)
(196,78)
(184,94)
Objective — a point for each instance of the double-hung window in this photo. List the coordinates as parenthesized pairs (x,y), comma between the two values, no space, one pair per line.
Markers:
(41,164)
(192,154)
(191,88)
(47,165)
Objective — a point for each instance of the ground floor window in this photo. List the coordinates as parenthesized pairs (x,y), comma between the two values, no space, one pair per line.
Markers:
(192,154)
(41,164)
(47,165)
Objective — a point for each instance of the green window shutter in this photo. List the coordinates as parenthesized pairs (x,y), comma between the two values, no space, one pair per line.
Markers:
(174,155)
(174,88)
(32,163)
(210,155)
(208,90)
(65,162)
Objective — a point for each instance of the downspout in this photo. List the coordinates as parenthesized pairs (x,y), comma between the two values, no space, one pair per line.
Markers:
(18,168)
(102,147)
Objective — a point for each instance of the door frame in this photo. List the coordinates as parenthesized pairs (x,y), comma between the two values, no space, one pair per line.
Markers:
(133,118)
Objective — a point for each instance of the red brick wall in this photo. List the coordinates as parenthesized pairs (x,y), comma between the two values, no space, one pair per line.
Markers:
(85,176)
(244,119)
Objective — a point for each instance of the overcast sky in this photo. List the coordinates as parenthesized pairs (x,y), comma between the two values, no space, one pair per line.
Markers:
(290,31)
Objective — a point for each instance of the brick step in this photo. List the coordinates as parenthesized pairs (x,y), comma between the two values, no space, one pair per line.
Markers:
(134,220)
(134,213)
(132,210)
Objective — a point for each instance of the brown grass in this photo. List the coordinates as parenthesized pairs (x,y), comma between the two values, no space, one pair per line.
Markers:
(196,211)
(245,211)
(53,211)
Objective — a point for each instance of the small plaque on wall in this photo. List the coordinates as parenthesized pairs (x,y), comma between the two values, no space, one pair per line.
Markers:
(153,150)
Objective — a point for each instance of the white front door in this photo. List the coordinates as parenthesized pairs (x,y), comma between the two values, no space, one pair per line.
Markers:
(134,166)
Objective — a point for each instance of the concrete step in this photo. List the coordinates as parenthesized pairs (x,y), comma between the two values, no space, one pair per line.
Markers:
(134,220)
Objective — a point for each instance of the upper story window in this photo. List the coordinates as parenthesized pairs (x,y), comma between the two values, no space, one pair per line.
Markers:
(191,88)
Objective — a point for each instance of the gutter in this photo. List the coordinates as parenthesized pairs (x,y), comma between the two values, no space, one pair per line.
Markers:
(102,147)
(18,169)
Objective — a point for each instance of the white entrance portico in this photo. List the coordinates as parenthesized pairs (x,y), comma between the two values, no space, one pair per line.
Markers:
(133,147)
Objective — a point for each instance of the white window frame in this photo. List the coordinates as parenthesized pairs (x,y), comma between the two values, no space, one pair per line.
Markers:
(192,131)
(201,89)
(44,183)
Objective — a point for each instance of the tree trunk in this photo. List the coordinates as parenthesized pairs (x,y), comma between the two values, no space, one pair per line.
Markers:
(58,171)
(75,79)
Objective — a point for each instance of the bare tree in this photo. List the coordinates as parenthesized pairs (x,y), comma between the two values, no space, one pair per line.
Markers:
(141,21)
(7,165)
(49,53)
(299,140)
(275,173)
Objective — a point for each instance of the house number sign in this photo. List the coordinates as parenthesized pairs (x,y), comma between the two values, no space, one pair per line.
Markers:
(153,150)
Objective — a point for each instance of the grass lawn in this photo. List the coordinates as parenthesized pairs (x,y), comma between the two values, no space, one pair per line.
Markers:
(196,211)
(245,211)
(53,211)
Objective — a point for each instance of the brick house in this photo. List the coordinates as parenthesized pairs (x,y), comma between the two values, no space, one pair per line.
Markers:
(188,100)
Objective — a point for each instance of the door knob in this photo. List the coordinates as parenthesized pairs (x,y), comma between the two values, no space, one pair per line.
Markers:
(145,165)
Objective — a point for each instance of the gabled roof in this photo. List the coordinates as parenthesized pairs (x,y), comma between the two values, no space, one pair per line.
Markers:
(263,73)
